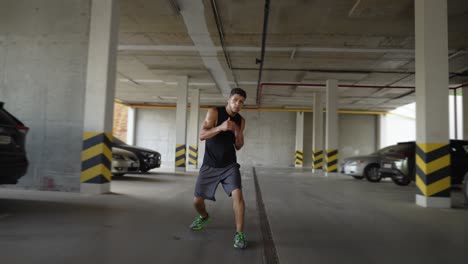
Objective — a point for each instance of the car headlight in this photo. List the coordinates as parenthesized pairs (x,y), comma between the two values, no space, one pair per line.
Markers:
(398,164)
(147,154)
(118,156)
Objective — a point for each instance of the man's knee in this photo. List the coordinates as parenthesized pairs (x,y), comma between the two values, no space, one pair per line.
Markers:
(198,201)
(237,195)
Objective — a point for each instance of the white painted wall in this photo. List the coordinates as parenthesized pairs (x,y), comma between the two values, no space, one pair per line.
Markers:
(357,135)
(43,55)
(269,139)
(400,124)
(269,136)
(459,117)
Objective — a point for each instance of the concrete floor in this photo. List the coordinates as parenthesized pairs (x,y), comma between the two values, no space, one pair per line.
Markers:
(313,219)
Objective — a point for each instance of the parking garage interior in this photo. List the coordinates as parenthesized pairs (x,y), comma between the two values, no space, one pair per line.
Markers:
(320,77)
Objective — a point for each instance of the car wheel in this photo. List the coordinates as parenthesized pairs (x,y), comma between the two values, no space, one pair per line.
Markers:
(144,169)
(401,181)
(372,173)
(358,177)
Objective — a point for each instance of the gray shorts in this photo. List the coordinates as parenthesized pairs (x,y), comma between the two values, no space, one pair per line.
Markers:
(209,179)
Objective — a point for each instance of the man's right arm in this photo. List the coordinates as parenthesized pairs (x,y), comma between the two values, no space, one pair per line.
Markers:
(209,128)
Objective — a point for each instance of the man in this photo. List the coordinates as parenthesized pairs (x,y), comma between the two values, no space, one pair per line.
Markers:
(223,130)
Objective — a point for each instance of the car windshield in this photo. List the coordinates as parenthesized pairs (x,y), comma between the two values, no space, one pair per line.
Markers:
(117,141)
(384,150)
(400,148)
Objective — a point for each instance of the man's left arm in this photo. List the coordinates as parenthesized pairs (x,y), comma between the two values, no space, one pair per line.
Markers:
(239,133)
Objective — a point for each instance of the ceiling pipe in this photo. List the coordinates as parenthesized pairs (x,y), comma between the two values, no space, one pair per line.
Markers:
(340,85)
(453,74)
(262,54)
(460,86)
(219,26)
(323,85)
(266,109)
(344,86)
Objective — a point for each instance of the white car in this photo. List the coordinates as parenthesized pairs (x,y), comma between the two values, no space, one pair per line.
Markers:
(123,161)
(368,166)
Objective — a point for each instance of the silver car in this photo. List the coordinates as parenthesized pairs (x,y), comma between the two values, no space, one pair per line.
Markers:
(368,166)
(123,161)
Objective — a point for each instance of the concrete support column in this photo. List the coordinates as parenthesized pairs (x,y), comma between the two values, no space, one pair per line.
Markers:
(432,113)
(181,123)
(99,99)
(299,157)
(465,112)
(193,140)
(331,143)
(317,137)
(131,117)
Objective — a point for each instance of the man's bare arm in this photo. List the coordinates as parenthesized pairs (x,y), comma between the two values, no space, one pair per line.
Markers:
(209,128)
(239,133)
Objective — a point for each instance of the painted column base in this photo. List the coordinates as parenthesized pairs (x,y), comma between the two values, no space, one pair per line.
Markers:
(320,171)
(180,169)
(433,202)
(298,165)
(192,167)
(94,188)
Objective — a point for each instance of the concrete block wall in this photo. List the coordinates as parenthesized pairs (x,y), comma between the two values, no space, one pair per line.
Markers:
(269,136)
(270,139)
(43,55)
(155,129)
(357,135)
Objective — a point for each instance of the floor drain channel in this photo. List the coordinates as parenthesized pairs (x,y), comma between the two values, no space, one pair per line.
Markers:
(269,249)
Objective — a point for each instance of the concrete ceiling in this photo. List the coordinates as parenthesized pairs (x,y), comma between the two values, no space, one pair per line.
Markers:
(358,42)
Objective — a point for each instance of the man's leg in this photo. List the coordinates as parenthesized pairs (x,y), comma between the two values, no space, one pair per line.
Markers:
(239,208)
(199,204)
(203,219)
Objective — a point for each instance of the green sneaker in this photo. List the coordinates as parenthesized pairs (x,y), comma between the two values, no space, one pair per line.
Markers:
(239,240)
(200,222)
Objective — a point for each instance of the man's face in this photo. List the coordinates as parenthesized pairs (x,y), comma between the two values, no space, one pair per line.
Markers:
(236,102)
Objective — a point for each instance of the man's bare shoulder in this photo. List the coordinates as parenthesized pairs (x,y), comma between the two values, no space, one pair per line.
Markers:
(213,110)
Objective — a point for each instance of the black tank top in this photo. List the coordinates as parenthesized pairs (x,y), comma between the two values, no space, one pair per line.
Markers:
(219,150)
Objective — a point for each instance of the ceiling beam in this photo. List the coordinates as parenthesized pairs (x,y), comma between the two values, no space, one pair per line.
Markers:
(193,13)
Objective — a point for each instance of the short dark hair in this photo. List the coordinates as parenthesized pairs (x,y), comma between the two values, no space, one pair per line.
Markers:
(238,91)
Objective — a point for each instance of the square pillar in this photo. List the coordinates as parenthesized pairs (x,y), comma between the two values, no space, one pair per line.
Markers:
(331,144)
(299,156)
(194,127)
(99,99)
(317,138)
(181,123)
(432,113)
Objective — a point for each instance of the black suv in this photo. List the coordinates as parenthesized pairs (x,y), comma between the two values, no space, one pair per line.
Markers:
(402,169)
(149,159)
(13,160)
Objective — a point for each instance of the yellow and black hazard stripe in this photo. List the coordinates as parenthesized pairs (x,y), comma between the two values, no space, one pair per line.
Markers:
(433,169)
(299,157)
(332,160)
(180,156)
(96,158)
(193,155)
(317,158)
